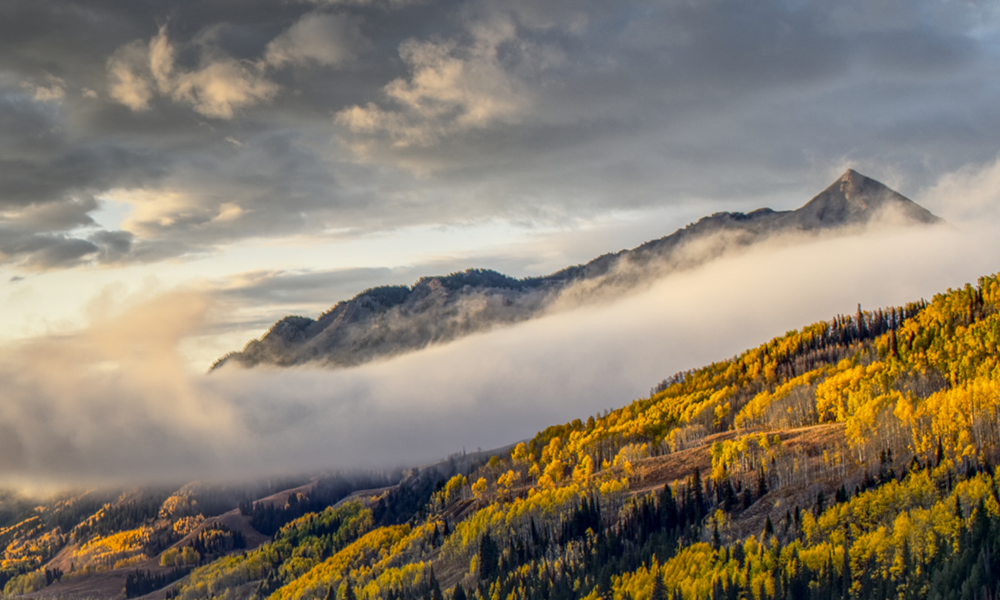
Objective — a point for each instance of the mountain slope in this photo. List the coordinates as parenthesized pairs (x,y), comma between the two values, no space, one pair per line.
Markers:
(849,460)
(389,320)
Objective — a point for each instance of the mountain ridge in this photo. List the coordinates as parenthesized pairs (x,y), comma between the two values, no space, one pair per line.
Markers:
(389,320)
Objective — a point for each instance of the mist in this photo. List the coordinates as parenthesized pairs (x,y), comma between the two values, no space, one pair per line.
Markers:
(115,403)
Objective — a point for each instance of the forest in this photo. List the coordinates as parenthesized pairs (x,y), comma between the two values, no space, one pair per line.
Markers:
(852,459)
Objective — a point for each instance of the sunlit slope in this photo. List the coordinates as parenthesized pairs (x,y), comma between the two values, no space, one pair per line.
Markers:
(847,459)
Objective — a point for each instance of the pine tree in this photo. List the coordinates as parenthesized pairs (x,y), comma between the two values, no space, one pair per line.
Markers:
(489,556)
(435,587)
(846,573)
(349,592)
(699,497)
(659,591)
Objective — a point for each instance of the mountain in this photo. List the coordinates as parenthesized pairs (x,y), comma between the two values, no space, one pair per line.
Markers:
(852,459)
(389,320)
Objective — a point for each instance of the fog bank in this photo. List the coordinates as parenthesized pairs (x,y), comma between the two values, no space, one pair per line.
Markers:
(114,403)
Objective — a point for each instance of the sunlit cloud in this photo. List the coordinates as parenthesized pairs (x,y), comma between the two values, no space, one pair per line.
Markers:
(451,88)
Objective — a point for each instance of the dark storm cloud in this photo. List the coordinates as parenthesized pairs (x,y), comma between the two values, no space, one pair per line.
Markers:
(222,120)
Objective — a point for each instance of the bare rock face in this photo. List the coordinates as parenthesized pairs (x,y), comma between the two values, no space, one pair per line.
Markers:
(390,320)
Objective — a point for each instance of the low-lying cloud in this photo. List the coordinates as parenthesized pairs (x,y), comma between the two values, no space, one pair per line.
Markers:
(115,402)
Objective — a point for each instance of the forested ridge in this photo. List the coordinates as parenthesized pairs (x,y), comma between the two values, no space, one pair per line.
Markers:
(850,459)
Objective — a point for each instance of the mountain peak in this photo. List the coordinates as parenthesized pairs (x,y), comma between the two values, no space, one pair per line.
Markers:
(857,199)
(851,180)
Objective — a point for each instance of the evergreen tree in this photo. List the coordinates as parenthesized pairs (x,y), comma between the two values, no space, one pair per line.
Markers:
(489,556)
(435,587)
(659,591)
(699,496)
(846,572)
(349,591)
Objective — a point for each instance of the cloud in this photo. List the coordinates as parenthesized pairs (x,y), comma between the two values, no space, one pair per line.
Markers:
(115,246)
(52,92)
(127,369)
(272,185)
(452,111)
(47,252)
(57,215)
(970,194)
(114,401)
(217,88)
(451,88)
(48,181)
(379,3)
(130,80)
(317,38)
(323,287)
(220,86)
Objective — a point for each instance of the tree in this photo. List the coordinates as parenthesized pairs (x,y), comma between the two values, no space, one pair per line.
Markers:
(435,587)
(169,557)
(659,591)
(761,483)
(489,556)
(479,488)
(189,556)
(348,593)
(846,573)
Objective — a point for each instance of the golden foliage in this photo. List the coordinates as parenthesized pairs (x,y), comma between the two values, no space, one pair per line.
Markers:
(102,553)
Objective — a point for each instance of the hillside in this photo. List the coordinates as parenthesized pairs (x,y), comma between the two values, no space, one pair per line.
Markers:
(390,320)
(852,459)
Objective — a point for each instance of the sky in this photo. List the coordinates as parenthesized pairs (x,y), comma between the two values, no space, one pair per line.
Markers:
(194,171)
